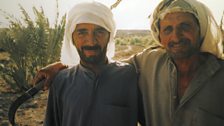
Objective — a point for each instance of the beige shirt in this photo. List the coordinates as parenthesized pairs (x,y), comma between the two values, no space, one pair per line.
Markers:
(201,105)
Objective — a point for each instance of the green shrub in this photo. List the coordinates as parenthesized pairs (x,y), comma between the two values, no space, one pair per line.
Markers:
(31,45)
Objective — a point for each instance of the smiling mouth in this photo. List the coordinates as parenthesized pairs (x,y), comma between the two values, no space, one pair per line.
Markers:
(96,47)
(179,45)
(91,52)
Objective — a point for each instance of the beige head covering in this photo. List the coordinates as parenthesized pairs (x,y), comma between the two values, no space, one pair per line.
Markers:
(87,12)
(210,32)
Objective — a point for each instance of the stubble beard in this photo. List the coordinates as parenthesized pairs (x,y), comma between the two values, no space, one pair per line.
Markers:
(187,52)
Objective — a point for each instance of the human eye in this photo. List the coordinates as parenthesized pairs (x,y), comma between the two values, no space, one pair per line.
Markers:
(81,33)
(100,32)
(167,30)
(185,26)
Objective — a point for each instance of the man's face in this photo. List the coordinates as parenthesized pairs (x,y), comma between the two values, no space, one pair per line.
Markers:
(91,42)
(180,34)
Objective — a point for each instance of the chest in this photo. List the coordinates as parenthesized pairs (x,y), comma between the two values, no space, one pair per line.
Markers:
(183,83)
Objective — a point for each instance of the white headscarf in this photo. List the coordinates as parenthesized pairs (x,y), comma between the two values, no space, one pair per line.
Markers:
(87,12)
(210,32)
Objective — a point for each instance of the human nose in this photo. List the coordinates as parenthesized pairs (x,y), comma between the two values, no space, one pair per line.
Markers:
(91,38)
(176,35)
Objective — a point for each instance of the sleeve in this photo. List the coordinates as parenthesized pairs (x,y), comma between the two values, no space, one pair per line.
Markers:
(141,117)
(52,115)
(133,61)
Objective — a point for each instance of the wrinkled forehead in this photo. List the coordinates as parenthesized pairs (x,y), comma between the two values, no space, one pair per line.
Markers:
(89,26)
(179,6)
(185,16)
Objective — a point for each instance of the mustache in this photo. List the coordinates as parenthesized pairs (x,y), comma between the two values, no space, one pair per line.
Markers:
(183,41)
(95,47)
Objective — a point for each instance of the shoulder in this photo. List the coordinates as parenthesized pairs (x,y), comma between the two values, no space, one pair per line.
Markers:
(150,51)
(214,64)
(122,67)
(66,73)
(63,76)
(149,55)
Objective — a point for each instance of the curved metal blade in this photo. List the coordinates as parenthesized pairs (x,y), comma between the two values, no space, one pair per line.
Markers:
(20,100)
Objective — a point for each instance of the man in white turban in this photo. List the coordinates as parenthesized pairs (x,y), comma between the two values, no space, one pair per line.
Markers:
(99,15)
(181,81)
(94,91)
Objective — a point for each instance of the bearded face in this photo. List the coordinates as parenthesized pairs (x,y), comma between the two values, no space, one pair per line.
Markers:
(91,42)
(180,34)
(97,57)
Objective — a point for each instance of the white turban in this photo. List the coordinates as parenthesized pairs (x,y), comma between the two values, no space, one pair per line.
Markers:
(209,30)
(87,12)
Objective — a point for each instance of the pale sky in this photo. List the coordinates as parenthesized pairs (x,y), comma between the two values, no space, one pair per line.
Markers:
(130,14)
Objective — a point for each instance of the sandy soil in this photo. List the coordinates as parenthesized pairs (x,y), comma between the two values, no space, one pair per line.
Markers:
(31,113)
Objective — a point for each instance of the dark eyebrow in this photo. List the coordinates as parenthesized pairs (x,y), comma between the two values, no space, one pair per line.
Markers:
(81,30)
(101,28)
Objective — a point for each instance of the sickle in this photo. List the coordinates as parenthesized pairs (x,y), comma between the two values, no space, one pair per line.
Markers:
(20,100)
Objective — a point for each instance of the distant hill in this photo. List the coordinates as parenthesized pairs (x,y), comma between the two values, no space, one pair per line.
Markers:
(125,33)
(122,32)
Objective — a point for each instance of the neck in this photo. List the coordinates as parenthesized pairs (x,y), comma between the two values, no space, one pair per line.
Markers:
(188,65)
(96,68)
(187,68)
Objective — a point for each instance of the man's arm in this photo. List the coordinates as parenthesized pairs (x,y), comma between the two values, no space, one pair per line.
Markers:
(141,116)
(48,73)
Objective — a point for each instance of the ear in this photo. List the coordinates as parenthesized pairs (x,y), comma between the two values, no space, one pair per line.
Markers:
(73,39)
(108,38)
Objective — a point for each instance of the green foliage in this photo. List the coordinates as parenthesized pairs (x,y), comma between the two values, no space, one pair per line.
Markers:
(135,40)
(128,44)
(31,45)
